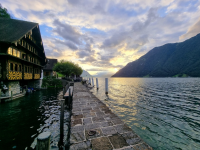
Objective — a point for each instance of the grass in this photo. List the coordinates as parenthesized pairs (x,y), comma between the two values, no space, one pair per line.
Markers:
(146,76)
(60,75)
(181,75)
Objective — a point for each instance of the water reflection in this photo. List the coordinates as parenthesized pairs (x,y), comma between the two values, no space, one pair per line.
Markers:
(163,111)
(22,120)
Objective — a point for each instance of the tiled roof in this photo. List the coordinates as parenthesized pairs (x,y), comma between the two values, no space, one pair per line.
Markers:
(50,64)
(12,30)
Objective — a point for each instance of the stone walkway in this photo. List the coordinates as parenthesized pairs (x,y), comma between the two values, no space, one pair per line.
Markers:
(90,115)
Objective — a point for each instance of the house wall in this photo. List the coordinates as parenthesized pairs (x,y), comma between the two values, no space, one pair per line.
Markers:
(13,86)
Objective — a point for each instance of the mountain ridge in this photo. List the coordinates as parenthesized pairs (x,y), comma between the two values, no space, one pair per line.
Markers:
(172,59)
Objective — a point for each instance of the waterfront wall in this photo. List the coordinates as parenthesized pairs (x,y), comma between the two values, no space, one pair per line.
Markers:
(13,86)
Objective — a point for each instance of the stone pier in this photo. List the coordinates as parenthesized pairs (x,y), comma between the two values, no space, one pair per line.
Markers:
(95,127)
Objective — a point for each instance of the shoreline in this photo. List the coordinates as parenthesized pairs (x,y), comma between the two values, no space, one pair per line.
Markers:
(91,115)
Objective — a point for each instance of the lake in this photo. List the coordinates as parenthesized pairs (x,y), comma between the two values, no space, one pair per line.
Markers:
(22,120)
(164,112)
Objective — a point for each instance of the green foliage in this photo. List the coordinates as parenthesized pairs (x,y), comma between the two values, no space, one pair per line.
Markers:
(67,68)
(178,60)
(51,81)
(60,75)
(146,76)
(4,13)
(180,75)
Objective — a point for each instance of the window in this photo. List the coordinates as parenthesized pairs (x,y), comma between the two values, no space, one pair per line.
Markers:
(10,50)
(19,42)
(25,69)
(24,44)
(18,54)
(14,52)
(24,56)
(28,69)
(11,66)
(16,67)
(31,70)
(20,68)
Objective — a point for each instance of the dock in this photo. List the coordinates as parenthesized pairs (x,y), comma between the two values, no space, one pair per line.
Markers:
(95,127)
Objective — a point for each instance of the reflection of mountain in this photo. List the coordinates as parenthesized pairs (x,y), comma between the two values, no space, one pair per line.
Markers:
(178,59)
(85,74)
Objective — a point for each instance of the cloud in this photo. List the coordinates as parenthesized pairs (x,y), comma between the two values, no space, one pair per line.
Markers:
(70,44)
(67,31)
(108,33)
(83,54)
(192,31)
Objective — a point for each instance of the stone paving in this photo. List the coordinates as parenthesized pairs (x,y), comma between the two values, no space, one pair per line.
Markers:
(90,115)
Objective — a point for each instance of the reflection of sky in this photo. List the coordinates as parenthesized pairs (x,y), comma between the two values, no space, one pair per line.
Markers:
(121,30)
(157,109)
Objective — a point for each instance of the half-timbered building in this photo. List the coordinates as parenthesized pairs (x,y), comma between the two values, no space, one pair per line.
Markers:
(21,52)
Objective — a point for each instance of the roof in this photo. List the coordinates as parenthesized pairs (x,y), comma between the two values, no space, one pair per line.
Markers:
(50,64)
(12,30)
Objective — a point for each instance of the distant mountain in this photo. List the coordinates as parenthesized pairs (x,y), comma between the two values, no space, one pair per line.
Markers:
(85,74)
(177,59)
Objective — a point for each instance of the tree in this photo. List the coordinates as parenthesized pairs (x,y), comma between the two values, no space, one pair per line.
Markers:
(4,13)
(67,68)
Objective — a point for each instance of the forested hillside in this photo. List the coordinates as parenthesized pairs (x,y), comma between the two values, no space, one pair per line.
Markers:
(177,59)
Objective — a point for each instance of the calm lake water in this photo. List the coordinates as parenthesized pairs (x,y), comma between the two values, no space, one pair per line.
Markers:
(164,112)
(23,119)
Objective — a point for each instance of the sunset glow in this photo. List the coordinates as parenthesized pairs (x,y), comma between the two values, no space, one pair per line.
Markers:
(103,36)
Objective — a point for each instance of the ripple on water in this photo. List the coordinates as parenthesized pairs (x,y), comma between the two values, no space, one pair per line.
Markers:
(163,111)
(22,120)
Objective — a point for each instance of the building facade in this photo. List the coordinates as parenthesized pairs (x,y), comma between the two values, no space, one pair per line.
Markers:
(22,53)
(48,68)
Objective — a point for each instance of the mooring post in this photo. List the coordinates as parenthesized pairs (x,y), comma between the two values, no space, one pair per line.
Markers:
(106,85)
(0,95)
(62,122)
(69,104)
(97,84)
(43,141)
(11,95)
(92,82)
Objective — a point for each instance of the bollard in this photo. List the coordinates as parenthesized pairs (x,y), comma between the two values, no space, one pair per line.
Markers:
(89,81)
(69,99)
(11,95)
(43,141)
(106,85)
(62,122)
(97,84)
(0,95)
(92,82)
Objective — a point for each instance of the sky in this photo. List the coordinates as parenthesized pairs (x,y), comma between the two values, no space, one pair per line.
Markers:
(102,36)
